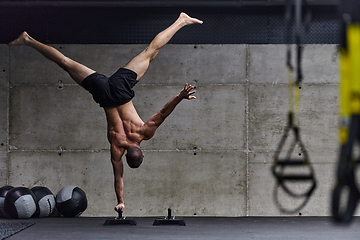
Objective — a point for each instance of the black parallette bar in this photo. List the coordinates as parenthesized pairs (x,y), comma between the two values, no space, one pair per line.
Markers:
(120,213)
(125,221)
(172,221)
(169,213)
(120,220)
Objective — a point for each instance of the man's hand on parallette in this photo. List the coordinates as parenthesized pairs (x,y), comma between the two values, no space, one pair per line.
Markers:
(120,205)
(186,92)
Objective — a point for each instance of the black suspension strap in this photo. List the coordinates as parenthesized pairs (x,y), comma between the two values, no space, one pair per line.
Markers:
(280,165)
(346,194)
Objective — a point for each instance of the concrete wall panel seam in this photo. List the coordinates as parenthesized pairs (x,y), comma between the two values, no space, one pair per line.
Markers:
(44,84)
(8,119)
(54,150)
(247,128)
(181,85)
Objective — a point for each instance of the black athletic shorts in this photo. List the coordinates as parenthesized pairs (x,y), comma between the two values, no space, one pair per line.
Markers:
(113,91)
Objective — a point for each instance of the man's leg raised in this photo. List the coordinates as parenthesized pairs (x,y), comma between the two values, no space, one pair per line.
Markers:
(141,62)
(77,71)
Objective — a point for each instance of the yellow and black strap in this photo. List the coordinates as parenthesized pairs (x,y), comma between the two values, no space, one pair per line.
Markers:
(279,163)
(349,127)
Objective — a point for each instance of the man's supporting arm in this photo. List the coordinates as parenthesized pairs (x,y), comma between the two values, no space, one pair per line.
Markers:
(118,167)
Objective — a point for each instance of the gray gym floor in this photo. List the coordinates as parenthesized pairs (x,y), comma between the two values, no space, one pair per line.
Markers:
(196,228)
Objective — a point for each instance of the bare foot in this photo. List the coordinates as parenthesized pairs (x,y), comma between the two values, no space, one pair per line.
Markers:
(189,20)
(21,40)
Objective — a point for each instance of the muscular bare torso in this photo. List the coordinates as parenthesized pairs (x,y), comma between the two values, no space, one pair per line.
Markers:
(124,126)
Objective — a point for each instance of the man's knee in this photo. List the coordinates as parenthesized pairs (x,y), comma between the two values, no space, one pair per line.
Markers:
(152,51)
(66,63)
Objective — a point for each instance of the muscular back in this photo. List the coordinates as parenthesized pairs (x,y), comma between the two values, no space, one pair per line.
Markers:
(124,125)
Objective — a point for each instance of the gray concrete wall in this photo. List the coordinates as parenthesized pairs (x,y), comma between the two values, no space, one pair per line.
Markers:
(4,103)
(211,157)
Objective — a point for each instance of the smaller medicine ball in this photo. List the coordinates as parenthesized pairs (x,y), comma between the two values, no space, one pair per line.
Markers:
(3,191)
(45,200)
(20,202)
(71,201)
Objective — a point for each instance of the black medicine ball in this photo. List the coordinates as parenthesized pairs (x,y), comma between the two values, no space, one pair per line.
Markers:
(71,201)
(45,200)
(20,202)
(3,191)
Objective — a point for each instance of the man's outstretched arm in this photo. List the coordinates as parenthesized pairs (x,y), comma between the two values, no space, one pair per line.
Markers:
(156,120)
(118,167)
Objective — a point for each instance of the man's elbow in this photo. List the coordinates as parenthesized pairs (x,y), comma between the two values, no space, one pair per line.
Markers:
(148,136)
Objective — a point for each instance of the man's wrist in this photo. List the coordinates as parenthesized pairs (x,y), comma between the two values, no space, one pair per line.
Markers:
(179,97)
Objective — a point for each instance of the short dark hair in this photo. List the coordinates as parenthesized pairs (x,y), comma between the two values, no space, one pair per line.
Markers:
(134,156)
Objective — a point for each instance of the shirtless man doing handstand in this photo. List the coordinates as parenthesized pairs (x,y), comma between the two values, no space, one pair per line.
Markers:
(126,130)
